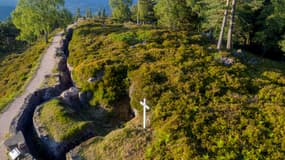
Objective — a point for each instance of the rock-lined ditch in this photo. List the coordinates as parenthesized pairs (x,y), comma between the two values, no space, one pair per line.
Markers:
(24,120)
(40,144)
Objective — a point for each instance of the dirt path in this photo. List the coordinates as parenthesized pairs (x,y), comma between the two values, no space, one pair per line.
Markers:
(45,68)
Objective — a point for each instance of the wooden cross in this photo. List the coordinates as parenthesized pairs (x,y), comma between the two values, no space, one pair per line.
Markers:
(145,107)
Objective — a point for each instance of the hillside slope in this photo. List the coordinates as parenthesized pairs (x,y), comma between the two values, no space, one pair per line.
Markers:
(202,106)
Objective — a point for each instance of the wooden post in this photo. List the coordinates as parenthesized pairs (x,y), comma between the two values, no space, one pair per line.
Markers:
(138,13)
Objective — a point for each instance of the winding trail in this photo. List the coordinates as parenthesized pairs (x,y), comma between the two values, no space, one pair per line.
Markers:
(45,68)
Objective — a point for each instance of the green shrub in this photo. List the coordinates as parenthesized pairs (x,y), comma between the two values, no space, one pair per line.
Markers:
(128,37)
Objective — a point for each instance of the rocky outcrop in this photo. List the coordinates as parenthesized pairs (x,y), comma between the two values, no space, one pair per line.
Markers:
(71,97)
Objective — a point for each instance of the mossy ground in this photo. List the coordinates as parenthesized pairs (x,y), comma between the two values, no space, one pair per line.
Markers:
(200,108)
(61,122)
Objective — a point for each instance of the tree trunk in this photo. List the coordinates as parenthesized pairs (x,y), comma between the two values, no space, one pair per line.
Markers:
(219,45)
(138,13)
(231,27)
(46,37)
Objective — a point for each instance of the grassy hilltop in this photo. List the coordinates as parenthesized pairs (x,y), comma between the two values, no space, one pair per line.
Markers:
(200,108)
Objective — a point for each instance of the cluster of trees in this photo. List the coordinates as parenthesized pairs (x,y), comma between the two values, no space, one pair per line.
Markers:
(36,18)
(258,25)
(88,14)
(8,35)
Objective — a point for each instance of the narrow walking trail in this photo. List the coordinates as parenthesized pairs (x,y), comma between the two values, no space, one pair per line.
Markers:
(45,68)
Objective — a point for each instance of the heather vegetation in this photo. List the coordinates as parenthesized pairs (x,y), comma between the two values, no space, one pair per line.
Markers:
(16,69)
(208,99)
(201,108)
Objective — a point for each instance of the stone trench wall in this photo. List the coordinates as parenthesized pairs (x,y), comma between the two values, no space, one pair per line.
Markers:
(24,120)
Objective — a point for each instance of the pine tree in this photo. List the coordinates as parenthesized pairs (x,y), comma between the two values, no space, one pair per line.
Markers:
(145,12)
(88,13)
(104,15)
(77,14)
(121,9)
(176,14)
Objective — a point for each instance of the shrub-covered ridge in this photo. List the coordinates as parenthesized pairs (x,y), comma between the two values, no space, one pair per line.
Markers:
(200,108)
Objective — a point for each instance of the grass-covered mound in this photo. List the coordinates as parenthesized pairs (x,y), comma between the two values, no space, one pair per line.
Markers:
(127,144)
(61,122)
(16,70)
(200,108)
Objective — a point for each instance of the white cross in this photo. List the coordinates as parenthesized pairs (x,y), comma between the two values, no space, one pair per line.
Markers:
(145,107)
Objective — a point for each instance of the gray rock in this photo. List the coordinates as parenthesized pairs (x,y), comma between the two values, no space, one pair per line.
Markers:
(92,79)
(70,95)
(227,61)
(253,61)
(84,97)
(98,77)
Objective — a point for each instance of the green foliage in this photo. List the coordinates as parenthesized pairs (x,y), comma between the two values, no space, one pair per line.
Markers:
(200,108)
(123,146)
(34,17)
(65,18)
(128,37)
(8,34)
(120,9)
(271,23)
(62,123)
(282,44)
(16,70)
(145,11)
(77,14)
(176,14)
(88,13)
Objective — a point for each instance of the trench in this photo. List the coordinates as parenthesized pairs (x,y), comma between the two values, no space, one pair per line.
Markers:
(24,121)
(35,144)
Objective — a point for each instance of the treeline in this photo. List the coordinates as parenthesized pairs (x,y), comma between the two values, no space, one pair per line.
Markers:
(88,14)
(8,38)
(258,25)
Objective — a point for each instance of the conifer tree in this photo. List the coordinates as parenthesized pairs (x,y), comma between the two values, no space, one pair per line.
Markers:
(121,9)
(177,14)
(88,13)
(77,14)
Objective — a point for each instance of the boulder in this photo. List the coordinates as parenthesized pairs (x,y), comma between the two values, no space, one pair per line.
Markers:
(70,96)
(84,97)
